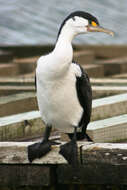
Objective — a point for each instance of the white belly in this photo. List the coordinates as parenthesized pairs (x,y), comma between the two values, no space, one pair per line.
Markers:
(58,102)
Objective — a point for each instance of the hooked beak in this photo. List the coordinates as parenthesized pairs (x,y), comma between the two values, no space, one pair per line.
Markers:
(91,28)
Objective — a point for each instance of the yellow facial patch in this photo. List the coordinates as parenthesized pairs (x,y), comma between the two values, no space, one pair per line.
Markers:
(93,23)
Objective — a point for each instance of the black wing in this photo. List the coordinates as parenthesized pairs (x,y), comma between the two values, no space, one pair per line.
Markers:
(35,82)
(84,93)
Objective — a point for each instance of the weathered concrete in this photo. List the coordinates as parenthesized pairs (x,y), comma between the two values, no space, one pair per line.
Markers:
(25,176)
(21,126)
(112,129)
(108,81)
(94,161)
(109,106)
(21,103)
(104,91)
(7,90)
(26,79)
(120,76)
(16,153)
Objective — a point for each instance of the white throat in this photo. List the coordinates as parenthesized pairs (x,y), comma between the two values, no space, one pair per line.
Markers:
(63,48)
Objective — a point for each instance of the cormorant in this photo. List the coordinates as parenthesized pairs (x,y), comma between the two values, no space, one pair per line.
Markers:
(63,89)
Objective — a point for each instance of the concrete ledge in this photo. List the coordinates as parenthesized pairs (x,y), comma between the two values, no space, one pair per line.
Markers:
(20,126)
(109,106)
(16,153)
(108,82)
(120,76)
(107,90)
(95,159)
(24,176)
(23,102)
(18,80)
(112,129)
(8,90)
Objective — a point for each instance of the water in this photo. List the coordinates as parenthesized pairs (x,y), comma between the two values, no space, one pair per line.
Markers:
(37,22)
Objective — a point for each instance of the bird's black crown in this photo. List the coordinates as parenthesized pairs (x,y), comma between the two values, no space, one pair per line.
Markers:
(83,14)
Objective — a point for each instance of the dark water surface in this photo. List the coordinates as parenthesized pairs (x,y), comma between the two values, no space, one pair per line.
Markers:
(38,21)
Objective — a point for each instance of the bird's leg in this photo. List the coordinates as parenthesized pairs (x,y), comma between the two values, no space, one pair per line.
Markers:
(88,138)
(70,150)
(37,150)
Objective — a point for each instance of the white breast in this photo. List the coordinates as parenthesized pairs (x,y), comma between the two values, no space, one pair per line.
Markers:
(57,97)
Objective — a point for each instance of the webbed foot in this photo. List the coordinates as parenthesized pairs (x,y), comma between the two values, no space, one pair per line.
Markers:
(37,150)
(70,152)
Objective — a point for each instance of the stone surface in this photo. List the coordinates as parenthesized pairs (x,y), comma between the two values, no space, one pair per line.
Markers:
(108,82)
(100,163)
(93,173)
(20,126)
(109,106)
(16,153)
(21,103)
(24,175)
(113,129)
(120,76)
(99,91)
(14,89)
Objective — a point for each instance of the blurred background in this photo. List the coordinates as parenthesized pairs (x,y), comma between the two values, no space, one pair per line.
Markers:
(37,22)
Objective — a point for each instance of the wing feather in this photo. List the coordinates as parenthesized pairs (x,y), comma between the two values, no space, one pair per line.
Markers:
(84,94)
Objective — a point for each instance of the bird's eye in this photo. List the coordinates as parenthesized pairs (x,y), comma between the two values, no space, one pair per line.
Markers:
(93,23)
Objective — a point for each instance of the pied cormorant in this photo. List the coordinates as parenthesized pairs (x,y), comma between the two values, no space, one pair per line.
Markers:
(63,89)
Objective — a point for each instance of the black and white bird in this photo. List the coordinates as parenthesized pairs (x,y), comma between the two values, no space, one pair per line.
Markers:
(63,89)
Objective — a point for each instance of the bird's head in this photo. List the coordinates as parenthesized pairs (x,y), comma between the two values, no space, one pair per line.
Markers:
(80,22)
